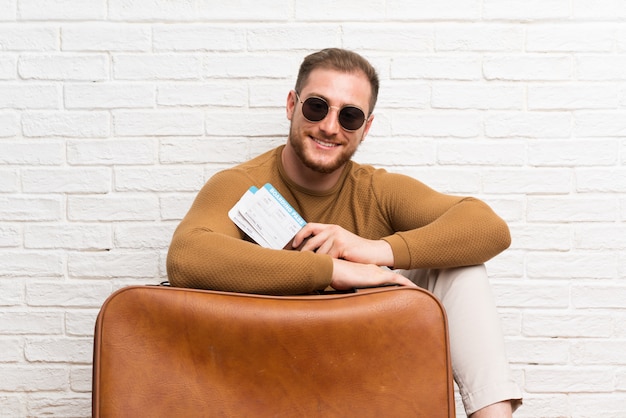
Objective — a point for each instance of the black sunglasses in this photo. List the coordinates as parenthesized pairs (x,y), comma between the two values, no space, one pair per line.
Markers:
(315,109)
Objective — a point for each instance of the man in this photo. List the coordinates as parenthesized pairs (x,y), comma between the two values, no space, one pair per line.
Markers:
(359,220)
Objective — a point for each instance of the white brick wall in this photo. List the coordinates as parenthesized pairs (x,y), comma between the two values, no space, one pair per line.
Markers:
(114,113)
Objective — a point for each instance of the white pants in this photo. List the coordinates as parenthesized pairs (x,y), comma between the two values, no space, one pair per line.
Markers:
(479,363)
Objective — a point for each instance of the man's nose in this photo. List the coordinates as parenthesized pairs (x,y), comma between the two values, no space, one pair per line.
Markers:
(330,124)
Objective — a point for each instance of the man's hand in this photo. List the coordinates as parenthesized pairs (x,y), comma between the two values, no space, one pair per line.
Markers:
(349,275)
(341,244)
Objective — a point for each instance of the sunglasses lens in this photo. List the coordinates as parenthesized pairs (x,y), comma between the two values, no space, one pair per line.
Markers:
(351,118)
(314,109)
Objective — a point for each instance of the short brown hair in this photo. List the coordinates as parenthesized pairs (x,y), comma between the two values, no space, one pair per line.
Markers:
(340,60)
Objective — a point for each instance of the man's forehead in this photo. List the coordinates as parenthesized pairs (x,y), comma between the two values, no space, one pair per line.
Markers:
(331,83)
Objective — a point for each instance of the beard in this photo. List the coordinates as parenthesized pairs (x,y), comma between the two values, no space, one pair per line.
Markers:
(321,165)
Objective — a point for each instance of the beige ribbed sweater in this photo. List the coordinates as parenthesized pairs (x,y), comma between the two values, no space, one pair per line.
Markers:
(425,229)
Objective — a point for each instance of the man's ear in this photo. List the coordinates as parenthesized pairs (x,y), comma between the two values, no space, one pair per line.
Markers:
(291,104)
(368,124)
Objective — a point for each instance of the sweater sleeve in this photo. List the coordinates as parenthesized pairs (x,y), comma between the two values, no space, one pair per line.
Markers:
(208,251)
(435,230)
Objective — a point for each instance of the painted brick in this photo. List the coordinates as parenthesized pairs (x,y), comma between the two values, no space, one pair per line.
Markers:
(600,124)
(555,237)
(112,264)
(596,37)
(601,237)
(62,10)
(77,124)
(591,180)
(115,207)
(85,294)
(59,180)
(174,207)
(607,9)
(473,37)
(67,350)
(165,179)
(465,96)
(37,96)
(11,293)
(544,351)
(401,151)
(30,264)
(208,10)
(367,10)
(9,8)
(9,124)
(573,152)
(600,68)
(518,180)
(28,37)
(268,93)
(10,235)
(80,322)
(38,152)
(199,37)
(92,67)
(37,323)
(68,236)
(140,236)
(242,66)
(567,324)
(508,265)
(34,378)
(428,10)
(439,124)
(9,181)
(493,153)
(11,351)
(532,294)
(205,150)
(60,405)
(8,67)
(109,96)
(228,123)
(572,208)
(526,10)
(528,124)
(106,37)
(573,265)
(26,208)
(158,123)
(599,295)
(81,379)
(435,67)
(563,96)
(545,406)
(373,36)
(598,405)
(599,352)
(403,94)
(529,67)
(156,67)
(202,94)
(111,152)
(569,379)
(452,180)
(620,380)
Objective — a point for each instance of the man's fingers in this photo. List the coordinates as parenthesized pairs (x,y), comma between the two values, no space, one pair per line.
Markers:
(405,282)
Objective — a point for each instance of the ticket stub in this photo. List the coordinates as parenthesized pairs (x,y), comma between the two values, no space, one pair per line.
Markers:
(266,217)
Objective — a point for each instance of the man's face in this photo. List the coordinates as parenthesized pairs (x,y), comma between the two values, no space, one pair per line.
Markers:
(325,146)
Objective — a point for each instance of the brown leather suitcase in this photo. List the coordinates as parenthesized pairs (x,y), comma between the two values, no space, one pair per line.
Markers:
(173,352)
